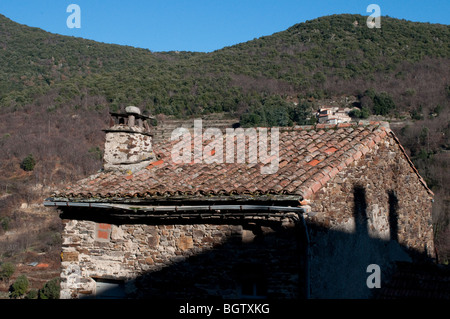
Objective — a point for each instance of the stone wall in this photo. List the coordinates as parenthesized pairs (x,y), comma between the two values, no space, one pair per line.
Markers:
(127,150)
(374,212)
(184,261)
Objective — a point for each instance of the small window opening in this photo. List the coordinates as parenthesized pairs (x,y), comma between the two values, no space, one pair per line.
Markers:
(254,288)
(252,281)
(109,289)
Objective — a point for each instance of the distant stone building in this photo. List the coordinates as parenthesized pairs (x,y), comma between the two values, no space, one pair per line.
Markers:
(333,115)
(344,197)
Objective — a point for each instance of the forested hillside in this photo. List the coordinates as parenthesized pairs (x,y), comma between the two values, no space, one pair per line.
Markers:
(319,58)
(55,92)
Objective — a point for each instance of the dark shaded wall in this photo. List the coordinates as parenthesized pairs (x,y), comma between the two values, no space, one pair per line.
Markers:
(374,212)
(195,260)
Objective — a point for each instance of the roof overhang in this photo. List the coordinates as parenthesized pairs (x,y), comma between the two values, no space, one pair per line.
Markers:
(142,211)
(175,208)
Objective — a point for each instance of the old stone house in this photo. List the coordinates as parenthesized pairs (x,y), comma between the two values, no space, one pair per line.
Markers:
(333,115)
(343,197)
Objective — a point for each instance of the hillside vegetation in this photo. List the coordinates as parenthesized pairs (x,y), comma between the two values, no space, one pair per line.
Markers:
(55,92)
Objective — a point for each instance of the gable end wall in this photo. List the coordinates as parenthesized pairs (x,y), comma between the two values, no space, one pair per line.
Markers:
(386,189)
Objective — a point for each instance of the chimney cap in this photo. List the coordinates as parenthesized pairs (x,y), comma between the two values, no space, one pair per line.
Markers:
(132,110)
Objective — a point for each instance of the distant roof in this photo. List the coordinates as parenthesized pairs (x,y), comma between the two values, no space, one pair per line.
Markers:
(309,156)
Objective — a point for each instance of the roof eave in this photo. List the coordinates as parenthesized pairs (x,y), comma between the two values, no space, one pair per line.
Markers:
(274,198)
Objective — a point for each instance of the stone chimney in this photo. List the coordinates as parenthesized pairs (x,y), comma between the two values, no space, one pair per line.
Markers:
(128,145)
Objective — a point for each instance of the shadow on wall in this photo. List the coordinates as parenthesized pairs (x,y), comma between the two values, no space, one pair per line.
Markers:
(274,264)
(264,260)
(266,266)
(340,260)
(393,215)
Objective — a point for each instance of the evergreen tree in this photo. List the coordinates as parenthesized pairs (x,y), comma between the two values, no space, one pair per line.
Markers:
(19,287)
(50,290)
(6,271)
(28,163)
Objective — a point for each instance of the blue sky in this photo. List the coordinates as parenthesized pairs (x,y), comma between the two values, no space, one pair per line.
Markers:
(200,25)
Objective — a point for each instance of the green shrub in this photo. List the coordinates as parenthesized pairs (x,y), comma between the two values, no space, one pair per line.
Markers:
(96,152)
(19,287)
(28,163)
(50,289)
(360,113)
(437,110)
(6,271)
(4,222)
(383,104)
(32,294)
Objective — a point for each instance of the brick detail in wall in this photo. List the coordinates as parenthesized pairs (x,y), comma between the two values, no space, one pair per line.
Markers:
(103,232)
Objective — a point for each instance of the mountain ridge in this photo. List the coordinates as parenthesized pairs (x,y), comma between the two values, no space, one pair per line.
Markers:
(287,62)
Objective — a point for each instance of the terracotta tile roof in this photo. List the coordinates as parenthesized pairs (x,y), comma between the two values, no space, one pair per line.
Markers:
(309,156)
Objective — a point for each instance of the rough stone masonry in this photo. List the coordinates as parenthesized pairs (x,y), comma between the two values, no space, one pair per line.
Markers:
(181,261)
